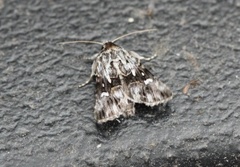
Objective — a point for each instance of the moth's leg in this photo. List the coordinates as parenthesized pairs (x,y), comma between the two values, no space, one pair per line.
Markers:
(134,54)
(94,66)
(149,58)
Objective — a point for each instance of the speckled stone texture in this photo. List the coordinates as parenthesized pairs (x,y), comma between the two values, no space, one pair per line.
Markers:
(46,120)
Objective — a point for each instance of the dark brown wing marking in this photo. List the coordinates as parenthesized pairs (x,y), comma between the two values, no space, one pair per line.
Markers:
(144,88)
(111,101)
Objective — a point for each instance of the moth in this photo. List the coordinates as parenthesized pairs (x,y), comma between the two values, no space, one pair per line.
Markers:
(122,81)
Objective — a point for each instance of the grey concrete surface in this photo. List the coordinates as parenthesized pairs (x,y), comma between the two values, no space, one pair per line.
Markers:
(46,120)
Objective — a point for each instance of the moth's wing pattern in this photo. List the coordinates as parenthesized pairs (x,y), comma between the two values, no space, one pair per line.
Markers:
(111,101)
(144,88)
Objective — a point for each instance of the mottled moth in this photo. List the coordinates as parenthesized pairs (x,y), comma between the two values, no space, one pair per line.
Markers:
(122,81)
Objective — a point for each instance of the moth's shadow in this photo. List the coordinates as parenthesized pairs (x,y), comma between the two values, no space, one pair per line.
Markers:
(143,112)
(153,114)
(111,128)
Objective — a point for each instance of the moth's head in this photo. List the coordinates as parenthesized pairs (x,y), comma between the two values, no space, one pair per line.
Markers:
(109,45)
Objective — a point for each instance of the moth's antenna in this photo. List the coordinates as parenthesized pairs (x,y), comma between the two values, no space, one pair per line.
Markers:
(71,42)
(135,32)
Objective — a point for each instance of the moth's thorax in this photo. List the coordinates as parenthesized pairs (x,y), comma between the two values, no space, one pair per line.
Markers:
(114,61)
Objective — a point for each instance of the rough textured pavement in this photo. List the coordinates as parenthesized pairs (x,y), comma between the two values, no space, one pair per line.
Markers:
(46,120)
